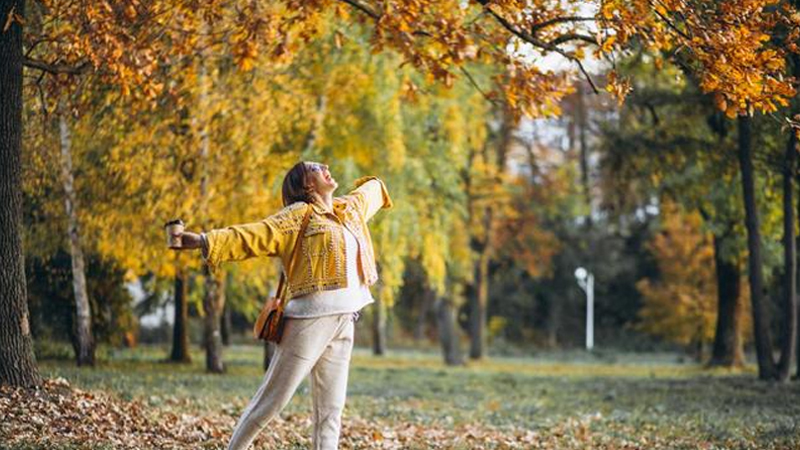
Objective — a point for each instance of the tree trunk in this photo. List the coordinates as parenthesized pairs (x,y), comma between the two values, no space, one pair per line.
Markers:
(316,127)
(480,304)
(17,361)
(794,60)
(180,337)
(225,325)
(445,321)
(728,350)
(584,149)
(213,302)
(797,343)
(480,301)
(553,321)
(379,328)
(84,341)
(761,331)
(484,245)
(797,317)
(427,299)
(789,263)
(214,297)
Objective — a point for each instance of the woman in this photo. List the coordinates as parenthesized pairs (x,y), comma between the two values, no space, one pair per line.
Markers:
(328,285)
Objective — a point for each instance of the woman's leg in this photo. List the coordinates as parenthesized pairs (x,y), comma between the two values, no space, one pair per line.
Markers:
(303,342)
(329,386)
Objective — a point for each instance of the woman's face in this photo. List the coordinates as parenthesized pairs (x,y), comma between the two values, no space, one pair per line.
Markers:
(320,178)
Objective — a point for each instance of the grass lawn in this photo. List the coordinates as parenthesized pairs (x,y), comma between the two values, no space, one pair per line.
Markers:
(411,400)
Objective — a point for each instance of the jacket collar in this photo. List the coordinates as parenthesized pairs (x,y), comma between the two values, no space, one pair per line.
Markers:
(319,208)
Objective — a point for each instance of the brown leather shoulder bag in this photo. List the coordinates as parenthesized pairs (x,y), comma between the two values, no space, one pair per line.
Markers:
(270,322)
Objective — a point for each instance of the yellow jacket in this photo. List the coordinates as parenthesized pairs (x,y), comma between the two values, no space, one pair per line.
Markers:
(320,263)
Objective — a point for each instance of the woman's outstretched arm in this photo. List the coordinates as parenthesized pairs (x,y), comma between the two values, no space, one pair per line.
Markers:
(237,242)
(370,196)
(240,242)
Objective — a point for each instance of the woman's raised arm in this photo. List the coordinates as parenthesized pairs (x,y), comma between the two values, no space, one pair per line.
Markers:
(370,196)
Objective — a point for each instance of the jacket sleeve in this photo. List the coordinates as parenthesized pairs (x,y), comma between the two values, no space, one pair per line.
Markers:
(369,196)
(240,242)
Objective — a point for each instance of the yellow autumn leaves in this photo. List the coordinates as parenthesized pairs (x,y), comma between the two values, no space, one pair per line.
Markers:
(734,47)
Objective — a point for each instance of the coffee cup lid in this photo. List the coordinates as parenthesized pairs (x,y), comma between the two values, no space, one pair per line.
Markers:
(174,222)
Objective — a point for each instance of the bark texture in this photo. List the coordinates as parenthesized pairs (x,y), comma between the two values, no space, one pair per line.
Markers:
(180,336)
(213,302)
(728,350)
(761,331)
(584,149)
(214,297)
(495,154)
(790,263)
(480,302)
(379,328)
(17,361)
(84,339)
(797,343)
(226,326)
(314,132)
(446,324)
(427,299)
(553,324)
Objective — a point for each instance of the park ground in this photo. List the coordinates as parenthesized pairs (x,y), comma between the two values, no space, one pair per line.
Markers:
(409,399)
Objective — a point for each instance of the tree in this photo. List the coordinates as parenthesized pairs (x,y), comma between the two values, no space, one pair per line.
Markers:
(728,349)
(743,68)
(672,141)
(680,304)
(84,339)
(180,338)
(484,185)
(763,339)
(77,57)
(745,52)
(795,110)
(17,364)
(789,339)
(442,40)
(366,119)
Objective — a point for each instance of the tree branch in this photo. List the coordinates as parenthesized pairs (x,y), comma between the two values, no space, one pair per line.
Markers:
(672,25)
(572,37)
(586,74)
(56,68)
(375,16)
(547,23)
(363,8)
(522,34)
(527,37)
(476,86)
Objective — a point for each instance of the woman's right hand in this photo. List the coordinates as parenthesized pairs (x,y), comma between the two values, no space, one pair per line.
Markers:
(189,240)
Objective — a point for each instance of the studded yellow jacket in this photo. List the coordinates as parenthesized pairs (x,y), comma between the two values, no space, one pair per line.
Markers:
(320,263)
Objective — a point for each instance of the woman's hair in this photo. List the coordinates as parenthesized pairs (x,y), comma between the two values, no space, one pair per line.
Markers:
(295,185)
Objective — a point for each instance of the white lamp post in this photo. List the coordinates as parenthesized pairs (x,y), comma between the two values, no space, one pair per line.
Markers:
(586,282)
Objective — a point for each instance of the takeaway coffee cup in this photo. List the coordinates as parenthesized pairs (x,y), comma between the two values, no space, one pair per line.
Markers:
(174,230)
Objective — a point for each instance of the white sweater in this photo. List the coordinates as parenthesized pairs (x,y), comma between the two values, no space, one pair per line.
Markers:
(338,301)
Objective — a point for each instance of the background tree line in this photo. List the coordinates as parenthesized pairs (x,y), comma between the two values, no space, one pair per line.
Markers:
(507,174)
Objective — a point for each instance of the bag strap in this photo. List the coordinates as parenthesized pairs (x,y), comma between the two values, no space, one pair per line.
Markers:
(283,284)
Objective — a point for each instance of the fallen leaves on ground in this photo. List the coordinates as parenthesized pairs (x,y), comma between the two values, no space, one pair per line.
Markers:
(57,414)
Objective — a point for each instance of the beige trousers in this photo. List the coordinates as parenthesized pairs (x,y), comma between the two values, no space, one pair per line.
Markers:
(319,346)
